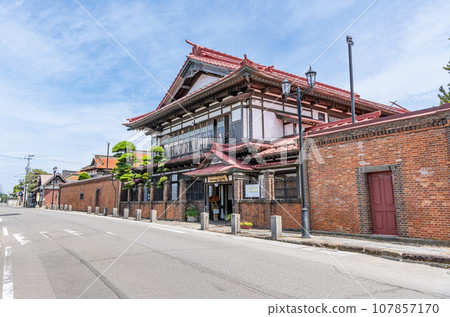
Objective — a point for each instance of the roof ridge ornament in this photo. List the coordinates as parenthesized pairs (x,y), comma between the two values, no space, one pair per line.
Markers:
(246,61)
(197,50)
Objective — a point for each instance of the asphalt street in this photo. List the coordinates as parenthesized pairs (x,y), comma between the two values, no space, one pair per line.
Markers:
(56,254)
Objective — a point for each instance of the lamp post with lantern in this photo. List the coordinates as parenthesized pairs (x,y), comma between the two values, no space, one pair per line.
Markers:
(286,89)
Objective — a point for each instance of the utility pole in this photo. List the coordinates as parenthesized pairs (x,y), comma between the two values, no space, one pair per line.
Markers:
(350,44)
(107,156)
(27,170)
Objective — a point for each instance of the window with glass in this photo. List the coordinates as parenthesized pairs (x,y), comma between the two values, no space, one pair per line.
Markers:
(195,190)
(286,186)
(221,130)
(174,187)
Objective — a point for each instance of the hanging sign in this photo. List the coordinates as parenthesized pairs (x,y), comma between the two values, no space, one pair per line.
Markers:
(252,191)
(217,178)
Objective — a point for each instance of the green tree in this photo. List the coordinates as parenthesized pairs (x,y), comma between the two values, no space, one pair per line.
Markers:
(32,178)
(123,147)
(158,158)
(445,97)
(17,188)
(124,166)
(83,175)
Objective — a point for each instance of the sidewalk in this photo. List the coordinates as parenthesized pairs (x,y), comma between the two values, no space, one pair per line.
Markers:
(418,253)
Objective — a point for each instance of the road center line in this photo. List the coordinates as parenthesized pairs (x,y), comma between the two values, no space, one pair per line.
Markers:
(5,231)
(8,290)
(22,240)
(177,231)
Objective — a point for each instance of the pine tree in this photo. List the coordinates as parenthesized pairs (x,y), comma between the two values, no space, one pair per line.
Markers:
(445,97)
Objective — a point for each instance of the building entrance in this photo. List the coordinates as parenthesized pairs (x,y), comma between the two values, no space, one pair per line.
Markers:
(220,200)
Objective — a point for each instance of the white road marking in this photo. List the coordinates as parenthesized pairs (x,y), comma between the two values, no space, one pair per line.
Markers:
(45,234)
(5,231)
(110,233)
(177,231)
(22,240)
(75,233)
(8,290)
(1,220)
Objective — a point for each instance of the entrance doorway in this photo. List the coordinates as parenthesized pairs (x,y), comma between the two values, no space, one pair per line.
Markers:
(220,200)
(382,203)
(98,198)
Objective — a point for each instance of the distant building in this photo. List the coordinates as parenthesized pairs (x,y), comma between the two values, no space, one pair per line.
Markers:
(47,191)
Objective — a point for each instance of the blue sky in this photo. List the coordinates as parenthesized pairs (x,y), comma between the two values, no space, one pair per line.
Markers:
(66,86)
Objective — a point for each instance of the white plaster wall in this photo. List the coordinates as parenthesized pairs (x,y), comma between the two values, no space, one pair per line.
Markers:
(257,123)
(202,81)
(273,127)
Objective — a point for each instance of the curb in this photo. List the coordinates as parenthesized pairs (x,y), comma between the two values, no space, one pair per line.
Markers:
(434,260)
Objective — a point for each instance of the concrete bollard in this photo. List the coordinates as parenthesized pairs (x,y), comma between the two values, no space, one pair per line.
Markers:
(126,212)
(70,207)
(235,223)
(275,227)
(204,221)
(89,210)
(61,207)
(65,207)
(105,211)
(153,215)
(138,214)
(96,210)
(114,212)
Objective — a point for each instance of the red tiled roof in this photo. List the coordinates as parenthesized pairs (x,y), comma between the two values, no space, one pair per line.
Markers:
(212,169)
(277,163)
(233,63)
(367,116)
(294,118)
(376,121)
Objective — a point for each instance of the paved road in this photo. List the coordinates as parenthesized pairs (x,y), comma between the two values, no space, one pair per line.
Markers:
(54,254)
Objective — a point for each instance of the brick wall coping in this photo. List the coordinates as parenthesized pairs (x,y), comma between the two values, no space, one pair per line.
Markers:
(86,181)
(388,119)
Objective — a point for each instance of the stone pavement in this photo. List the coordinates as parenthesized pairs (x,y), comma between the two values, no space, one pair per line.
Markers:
(435,255)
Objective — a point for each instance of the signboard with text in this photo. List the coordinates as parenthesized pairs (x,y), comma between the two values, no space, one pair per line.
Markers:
(217,178)
(252,191)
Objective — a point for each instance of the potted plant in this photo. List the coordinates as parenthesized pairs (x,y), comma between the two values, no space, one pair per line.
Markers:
(192,214)
(246,225)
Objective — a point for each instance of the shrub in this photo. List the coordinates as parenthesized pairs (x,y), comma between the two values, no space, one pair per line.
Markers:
(83,175)
(192,212)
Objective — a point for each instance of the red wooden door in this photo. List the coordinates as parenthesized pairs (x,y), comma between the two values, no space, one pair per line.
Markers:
(382,203)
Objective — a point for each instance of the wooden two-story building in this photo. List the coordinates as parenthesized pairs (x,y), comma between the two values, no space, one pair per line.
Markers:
(221,124)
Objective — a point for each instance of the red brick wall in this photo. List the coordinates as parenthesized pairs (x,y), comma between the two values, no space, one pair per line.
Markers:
(419,153)
(164,210)
(48,197)
(70,193)
(254,211)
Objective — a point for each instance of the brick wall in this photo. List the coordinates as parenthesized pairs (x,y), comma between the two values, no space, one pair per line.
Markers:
(48,193)
(254,211)
(170,210)
(417,152)
(70,193)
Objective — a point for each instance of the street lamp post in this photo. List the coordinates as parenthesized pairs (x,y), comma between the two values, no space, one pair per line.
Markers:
(53,187)
(286,88)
